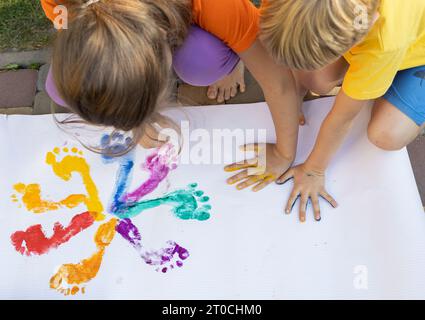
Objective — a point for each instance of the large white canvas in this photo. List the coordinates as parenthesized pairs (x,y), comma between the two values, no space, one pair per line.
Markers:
(372,246)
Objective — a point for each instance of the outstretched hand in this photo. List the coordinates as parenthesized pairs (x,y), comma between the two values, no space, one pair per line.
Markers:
(308,184)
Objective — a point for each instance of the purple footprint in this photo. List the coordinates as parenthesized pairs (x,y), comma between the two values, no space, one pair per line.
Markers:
(164,259)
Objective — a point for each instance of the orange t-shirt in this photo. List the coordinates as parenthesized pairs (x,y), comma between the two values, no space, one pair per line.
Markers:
(235,22)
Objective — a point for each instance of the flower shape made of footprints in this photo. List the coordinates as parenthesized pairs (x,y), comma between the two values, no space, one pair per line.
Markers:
(70,279)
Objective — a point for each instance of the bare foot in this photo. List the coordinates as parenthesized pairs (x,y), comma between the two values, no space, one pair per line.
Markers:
(227,88)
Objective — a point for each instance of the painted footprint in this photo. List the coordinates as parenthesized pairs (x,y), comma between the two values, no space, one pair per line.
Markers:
(188,204)
(30,196)
(114,146)
(64,163)
(170,256)
(33,241)
(71,278)
(158,164)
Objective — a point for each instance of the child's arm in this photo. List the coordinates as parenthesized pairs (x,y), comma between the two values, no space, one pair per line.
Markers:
(309,179)
(280,92)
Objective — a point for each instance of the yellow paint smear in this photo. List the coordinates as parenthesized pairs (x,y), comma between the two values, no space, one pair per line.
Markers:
(31,197)
(74,163)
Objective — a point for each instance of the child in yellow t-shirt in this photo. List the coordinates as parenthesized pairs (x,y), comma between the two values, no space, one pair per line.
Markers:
(376,48)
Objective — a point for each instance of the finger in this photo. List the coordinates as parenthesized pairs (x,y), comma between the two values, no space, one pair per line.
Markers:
(212,92)
(329,199)
(249,182)
(291,201)
(288,175)
(227,94)
(303,207)
(220,95)
(250,147)
(238,177)
(241,165)
(267,181)
(316,207)
(233,91)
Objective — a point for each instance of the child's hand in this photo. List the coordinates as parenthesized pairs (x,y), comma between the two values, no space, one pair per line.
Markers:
(261,171)
(152,137)
(308,184)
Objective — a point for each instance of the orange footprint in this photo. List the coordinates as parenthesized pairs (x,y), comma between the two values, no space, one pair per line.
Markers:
(71,278)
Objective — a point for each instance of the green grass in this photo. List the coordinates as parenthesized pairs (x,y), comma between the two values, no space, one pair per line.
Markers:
(23,25)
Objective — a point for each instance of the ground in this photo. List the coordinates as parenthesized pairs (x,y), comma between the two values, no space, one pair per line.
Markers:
(23,25)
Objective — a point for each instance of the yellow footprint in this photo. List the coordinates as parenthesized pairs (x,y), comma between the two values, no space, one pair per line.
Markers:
(73,162)
(70,278)
(31,198)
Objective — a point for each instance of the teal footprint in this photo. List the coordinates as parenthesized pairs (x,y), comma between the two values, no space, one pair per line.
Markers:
(188,204)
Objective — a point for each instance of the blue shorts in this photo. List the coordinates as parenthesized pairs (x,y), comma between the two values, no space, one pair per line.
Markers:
(407,93)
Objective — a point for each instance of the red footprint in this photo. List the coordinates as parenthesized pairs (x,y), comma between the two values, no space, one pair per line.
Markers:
(34,241)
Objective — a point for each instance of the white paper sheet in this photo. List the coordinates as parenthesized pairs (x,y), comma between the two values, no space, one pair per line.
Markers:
(372,246)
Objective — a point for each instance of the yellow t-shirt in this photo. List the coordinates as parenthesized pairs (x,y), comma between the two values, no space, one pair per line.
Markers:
(396,42)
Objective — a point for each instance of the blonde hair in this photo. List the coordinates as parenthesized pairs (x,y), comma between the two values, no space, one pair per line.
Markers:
(112,66)
(310,34)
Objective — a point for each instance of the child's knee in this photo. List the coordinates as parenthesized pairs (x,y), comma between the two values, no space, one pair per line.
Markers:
(384,138)
(322,87)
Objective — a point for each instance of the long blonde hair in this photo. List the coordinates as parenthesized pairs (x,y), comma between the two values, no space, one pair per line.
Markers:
(112,66)
(310,34)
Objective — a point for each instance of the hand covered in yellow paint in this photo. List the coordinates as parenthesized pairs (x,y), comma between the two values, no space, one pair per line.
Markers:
(260,171)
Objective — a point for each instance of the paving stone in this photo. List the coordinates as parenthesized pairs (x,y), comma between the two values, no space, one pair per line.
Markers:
(25,58)
(42,76)
(17,88)
(188,95)
(42,105)
(10,111)
(417,157)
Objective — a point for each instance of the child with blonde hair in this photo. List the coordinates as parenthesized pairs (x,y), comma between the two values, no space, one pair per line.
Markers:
(113,64)
(376,48)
